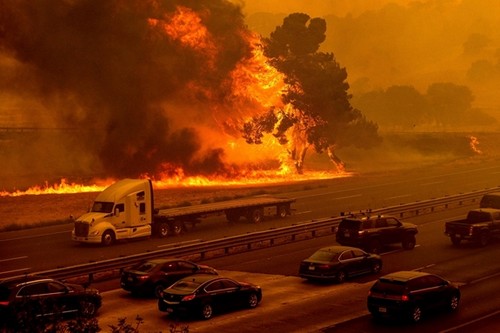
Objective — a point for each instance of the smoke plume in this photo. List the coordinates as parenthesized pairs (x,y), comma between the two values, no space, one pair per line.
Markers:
(128,81)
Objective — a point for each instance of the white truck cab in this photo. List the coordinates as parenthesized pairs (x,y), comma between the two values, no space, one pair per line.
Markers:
(124,210)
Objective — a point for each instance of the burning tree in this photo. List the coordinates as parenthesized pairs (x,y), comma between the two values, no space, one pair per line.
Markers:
(317,109)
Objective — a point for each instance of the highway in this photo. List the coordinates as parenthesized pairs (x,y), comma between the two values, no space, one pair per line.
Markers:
(291,304)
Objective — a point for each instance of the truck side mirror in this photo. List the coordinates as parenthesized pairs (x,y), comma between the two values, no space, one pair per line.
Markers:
(117,212)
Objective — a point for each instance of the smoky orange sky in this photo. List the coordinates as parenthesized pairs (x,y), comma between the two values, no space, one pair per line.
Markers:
(93,71)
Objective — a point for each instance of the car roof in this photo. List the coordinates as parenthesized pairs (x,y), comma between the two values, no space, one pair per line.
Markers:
(202,278)
(24,279)
(337,248)
(404,276)
(163,260)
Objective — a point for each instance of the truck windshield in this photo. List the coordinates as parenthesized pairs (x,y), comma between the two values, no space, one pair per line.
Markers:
(102,207)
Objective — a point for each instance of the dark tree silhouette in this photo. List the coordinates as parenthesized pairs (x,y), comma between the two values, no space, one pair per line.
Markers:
(317,108)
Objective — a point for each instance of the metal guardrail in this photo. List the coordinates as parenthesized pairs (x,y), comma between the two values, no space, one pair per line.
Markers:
(199,250)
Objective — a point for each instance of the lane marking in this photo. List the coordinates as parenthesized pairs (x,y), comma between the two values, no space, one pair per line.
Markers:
(431,183)
(16,258)
(16,270)
(348,197)
(399,196)
(34,236)
(455,328)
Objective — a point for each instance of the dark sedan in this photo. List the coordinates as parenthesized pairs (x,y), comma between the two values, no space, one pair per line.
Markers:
(26,300)
(339,263)
(152,276)
(203,295)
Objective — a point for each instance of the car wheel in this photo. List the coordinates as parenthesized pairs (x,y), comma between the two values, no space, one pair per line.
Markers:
(108,238)
(374,246)
(409,242)
(455,241)
(416,314)
(253,300)
(158,289)
(87,308)
(376,267)
(341,276)
(454,302)
(207,311)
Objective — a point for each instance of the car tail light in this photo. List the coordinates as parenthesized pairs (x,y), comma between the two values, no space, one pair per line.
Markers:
(4,303)
(405,298)
(143,277)
(188,298)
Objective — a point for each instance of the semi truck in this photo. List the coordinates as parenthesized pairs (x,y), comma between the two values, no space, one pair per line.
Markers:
(125,210)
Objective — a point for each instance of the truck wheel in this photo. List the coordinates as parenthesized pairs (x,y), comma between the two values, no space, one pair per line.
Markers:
(484,239)
(177,228)
(256,215)
(232,216)
(455,241)
(163,230)
(282,211)
(108,238)
(409,242)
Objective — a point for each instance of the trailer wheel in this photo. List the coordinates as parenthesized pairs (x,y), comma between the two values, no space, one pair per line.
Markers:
(177,228)
(232,216)
(255,215)
(163,229)
(282,211)
(108,238)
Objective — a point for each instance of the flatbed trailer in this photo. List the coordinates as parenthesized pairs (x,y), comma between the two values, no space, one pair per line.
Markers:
(125,210)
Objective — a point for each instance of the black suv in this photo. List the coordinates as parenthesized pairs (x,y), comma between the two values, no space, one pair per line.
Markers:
(27,298)
(373,232)
(409,294)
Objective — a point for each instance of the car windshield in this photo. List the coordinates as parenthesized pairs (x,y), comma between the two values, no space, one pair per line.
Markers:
(388,286)
(186,285)
(102,207)
(325,255)
(350,224)
(144,266)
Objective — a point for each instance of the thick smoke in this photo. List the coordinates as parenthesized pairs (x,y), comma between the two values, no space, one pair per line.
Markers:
(108,69)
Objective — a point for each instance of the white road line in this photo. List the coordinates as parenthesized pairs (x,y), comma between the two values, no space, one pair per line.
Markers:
(347,197)
(432,183)
(16,270)
(451,329)
(16,258)
(399,196)
(304,212)
(34,236)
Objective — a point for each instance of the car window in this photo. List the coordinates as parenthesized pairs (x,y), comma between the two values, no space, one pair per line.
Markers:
(390,287)
(144,266)
(228,284)
(186,285)
(367,224)
(56,287)
(33,289)
(431,281)
(186,266)
(346,255)
(323,255)
(170,267)
(214,286)
(381,223)
(358,253)
(392,222)
(350,224)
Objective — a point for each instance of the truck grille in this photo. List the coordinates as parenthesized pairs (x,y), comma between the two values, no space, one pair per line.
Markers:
(81,229)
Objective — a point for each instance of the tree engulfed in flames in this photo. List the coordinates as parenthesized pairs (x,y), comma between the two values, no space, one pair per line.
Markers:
(254,86)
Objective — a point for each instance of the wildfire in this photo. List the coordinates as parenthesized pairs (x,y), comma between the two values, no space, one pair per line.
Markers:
(474,142)
(180,180)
